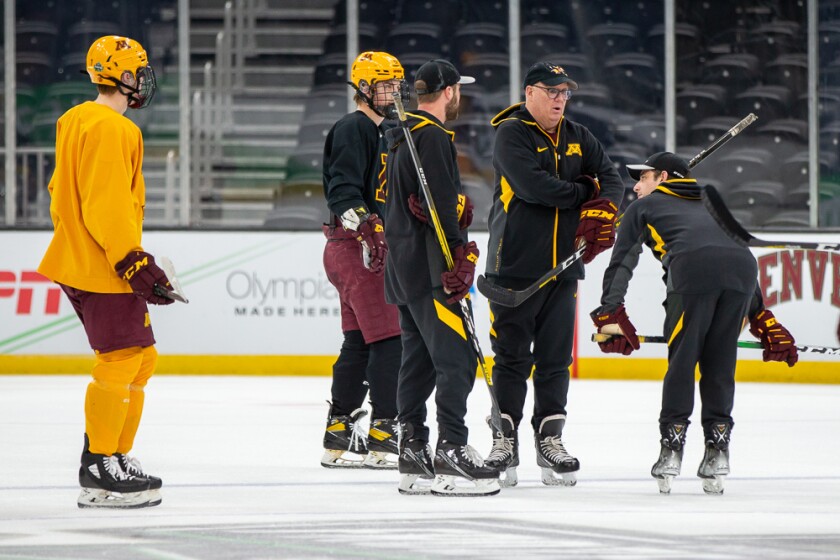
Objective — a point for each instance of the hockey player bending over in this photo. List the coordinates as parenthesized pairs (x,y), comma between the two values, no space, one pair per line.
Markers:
(97,199)
(354,260)
(711,287)
(437,355)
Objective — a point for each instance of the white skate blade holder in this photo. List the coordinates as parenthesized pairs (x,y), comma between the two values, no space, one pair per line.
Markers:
(448,485)
(508,478)
(99,498)
(713,486)
(342,459)
(176,292)
(414,484)
(379,460)
(550,478)
(665,484)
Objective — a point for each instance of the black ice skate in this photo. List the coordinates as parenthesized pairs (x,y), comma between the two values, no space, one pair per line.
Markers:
(415,463)
(382,444)
(715,464)
(131,465)
(552,455)
(104,484)
(343,436)
(669,463)
(461,463)
(504,456)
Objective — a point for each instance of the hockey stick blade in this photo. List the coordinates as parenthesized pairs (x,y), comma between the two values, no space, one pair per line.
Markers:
(805,348)
(717,208)
(513,298)
(176,292)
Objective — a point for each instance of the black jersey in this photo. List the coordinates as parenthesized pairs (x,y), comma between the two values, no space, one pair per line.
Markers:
(536,204)
(696,254)
(354,161)
(415,259)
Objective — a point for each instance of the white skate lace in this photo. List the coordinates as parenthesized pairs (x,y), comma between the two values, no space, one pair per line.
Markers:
(471,455)
(112,466)
(357,435)
(502,448)
(554,450)
(132,466)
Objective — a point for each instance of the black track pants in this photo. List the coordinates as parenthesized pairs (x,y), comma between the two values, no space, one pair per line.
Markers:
(436,356)
(546,319)
(703,329)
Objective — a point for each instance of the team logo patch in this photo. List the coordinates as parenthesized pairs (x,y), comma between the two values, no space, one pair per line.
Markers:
(98,67)
(573,149)
(556,69)
(122,44)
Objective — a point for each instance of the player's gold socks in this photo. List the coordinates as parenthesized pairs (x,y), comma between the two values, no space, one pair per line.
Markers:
(136,397)
(107,399)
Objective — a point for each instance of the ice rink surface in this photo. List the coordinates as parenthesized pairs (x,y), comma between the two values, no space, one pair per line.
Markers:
(239,457)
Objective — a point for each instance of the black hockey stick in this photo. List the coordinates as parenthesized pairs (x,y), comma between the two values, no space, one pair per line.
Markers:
(495,412)
(806,348)
(512,298)
(717,208)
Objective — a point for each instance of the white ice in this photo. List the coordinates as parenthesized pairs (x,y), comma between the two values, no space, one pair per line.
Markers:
(239,457)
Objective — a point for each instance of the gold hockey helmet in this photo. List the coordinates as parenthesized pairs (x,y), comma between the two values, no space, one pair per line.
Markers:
(119,61)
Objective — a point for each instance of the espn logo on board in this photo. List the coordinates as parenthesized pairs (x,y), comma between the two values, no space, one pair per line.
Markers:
(21,289)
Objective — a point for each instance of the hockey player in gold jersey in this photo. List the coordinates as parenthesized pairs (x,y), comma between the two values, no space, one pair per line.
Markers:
(97,203)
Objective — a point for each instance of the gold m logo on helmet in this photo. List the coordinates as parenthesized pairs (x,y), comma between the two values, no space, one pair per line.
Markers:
(573,149)
(122,44)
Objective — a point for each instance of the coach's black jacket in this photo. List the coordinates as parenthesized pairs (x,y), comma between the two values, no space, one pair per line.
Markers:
(536,204)
(697,255)
(415,259)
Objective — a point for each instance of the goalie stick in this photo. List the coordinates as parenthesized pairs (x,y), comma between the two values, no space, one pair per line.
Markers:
(513,298)
(806,348)
(495,413)
(717,208)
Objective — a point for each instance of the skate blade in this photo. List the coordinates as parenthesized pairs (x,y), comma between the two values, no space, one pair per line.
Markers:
(664,483)
(335,459)
(98,498)
(713,486)
(510,479)
(155,498)
(447,485)
(414,484)
(379,460)
(550,478)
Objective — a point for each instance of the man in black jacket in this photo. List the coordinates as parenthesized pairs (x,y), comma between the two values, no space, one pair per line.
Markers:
(555,189)
(711,287)
(354,260)
(437,355)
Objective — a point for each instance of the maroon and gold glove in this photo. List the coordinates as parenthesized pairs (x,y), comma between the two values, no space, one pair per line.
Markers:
(140,271)
(371,234)
(465,210)
(596,227)
(458,281)
(618,344)
(778,343)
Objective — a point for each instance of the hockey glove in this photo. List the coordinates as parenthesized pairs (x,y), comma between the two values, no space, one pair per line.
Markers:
(465,210)
(592,183)
(141,272)
(778,343)
(458,281)
(371,234)
(596,227)
(617,323)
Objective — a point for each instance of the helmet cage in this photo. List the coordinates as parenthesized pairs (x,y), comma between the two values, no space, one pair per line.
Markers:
(139,94)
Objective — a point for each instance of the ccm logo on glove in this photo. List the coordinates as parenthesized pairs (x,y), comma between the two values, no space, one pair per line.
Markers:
(138,268)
